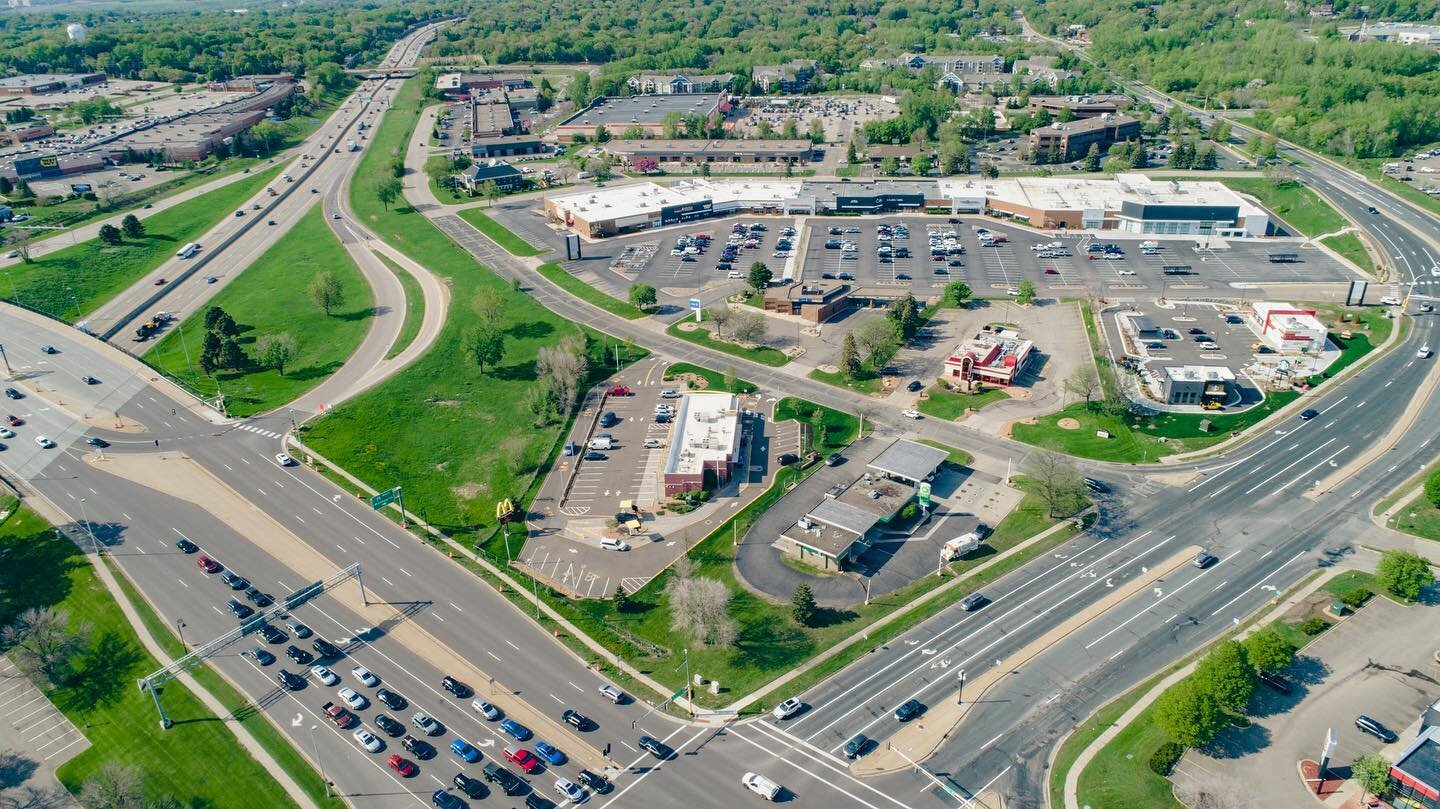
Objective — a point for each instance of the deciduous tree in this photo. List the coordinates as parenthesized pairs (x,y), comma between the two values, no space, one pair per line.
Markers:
(1083,382)
(388,190)
(957,293)
(759,276)
(482,344)
(1027,293)
(878,338)
(1226,674)
(1403,574)
(276,350)
(42,643)
(1056,481)
(132,227)
(1372,773)
(643,296)
(111,235)
(1268,650)
(1189,715)
(326,292)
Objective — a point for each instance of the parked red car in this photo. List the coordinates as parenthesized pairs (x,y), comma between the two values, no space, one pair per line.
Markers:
(403,765)
(619,390)
(208,565)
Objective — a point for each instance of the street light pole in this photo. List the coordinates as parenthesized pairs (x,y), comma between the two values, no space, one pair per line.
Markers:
(88,529)
(315,750)
(960,695)
(180,630)
(689,691)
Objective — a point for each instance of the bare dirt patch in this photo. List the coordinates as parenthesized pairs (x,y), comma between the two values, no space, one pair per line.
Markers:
(1068,424)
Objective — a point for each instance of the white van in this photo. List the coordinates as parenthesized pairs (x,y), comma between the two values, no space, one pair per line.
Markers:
(760,785)
(602,441)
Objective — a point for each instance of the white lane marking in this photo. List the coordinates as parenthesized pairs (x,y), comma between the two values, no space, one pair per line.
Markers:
(1258,583)
(1287,466)
(822,761)
(1313,468)
(652,770)
(1147,609)
(493,655)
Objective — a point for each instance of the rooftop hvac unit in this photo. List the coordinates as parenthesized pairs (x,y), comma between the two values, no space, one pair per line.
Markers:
(805,523)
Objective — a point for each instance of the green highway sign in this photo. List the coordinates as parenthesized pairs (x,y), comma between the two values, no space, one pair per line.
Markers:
(385,498)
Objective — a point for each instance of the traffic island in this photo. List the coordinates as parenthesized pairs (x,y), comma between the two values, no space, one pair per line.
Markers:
(919,740)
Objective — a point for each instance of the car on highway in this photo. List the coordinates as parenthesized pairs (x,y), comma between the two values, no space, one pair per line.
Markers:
(654,746)
(289,680)
(550,753)
(570,791)
(444,800)
(472,787)
(258,598)
(508,782)
(1365,724)
(1306,415)
(910,414)
(760,785)
(522,758)
(14,394)
(972,602)
(159,282)
(273,634)
(857,745)
(354,699)
(234,580)
(298,629)
(325,675)
(324,648)
(365,676)
(576,720)
(368,740)
(45,443)
(186,546)
(402,765)
(48,349)
(241,611)
(262,656)
(788,708)
(389,725)
(1371,209)
(515,730)
(456,687)
(14,421)
(596,782)
(486,710)
(283,459)
(427,724)
(1203,560)
(612,693)
(465,751)
(1423,353)
(909,709)
(421,748)
(299,655)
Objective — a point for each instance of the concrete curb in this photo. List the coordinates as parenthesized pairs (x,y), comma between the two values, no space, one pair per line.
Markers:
(1071,798)
(52,513)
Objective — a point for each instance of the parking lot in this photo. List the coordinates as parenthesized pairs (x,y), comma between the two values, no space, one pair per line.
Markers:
(35,733)
(627,466)
(1192,334)
(839,116)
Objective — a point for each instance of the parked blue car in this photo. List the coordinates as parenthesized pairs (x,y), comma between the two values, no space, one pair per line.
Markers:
(548,752)
(465,750)
(515,730)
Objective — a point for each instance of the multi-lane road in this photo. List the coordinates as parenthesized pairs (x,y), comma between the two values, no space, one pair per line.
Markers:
(1256,507)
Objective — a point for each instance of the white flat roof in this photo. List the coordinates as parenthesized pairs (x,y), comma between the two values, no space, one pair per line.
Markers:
(624,201)
(1082,193)
(707,431)
(1194,373)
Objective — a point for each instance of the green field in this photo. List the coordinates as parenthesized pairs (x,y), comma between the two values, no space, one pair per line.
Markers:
(270,298)
(1419,517)
(560,278)
(959,457)
(765,355)
(870,385)
(498,233)
(840,428)
(1293,202)
(471,439)
(944,403)
(44,570)
(78,279)
(414,307)
(1350,246)
(715,379)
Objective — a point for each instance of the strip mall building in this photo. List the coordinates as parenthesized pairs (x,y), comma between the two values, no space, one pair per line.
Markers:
(1129,202)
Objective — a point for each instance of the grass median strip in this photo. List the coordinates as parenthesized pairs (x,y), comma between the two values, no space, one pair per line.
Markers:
(78,279)
(499,234)
(870,385)
(414,307)
(270,298)
(1293,202)
(943,403)
(100,698)
(1350,246)
(560,278)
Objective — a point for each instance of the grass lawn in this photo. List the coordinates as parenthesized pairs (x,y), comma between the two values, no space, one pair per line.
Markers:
(714,379)
(1029,517)
(870,385)
(82,277)
(45,570)
(270,298)
(840,428)
(848,170)
(1086,733)
(414,307)
(943,403)
(765,355)
(1120,774)
(1350,246)
(498,233)
(559,277)
(1419,517)
(1293,202)
(959,457)
(473,440)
